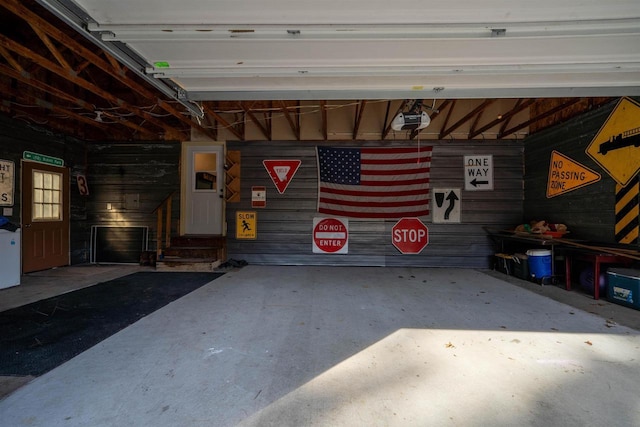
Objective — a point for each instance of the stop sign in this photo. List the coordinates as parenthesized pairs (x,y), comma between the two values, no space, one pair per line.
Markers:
(410,235)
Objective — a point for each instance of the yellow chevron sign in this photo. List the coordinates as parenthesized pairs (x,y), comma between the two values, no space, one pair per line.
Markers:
(567,175)
(628,212)
(616,146)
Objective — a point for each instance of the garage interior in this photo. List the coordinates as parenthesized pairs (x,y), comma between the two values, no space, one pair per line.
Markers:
(119,92)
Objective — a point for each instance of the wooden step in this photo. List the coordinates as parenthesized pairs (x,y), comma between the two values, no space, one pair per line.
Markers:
(199,241)
(187,264)
(191,252)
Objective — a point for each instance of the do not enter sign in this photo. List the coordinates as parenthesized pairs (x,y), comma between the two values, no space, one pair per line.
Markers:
(330,235)
(410,235)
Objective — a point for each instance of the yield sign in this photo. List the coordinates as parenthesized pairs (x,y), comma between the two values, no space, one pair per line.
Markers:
(566,175)
(281,172)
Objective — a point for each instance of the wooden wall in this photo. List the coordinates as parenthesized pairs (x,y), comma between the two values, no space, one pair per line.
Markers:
(116,174)
(284,227)
(134,179)
(589,212)
(17,137)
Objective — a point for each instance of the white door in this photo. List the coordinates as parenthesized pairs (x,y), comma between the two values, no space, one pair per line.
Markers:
(204,189)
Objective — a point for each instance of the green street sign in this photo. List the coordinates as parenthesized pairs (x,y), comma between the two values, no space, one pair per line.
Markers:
(41,158)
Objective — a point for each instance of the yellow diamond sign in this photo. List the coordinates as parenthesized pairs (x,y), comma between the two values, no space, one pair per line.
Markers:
(616,146)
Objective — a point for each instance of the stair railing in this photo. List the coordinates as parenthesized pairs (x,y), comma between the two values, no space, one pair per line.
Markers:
(163,210)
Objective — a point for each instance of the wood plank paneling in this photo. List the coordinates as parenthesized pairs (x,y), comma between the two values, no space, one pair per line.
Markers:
(589,212)
(133,179)
(17,137)
(284,235)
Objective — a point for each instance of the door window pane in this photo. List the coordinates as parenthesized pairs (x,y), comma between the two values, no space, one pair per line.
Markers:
(47,196)
(205,171)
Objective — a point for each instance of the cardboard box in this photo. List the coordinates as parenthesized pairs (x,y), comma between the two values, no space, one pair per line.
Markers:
(624,287)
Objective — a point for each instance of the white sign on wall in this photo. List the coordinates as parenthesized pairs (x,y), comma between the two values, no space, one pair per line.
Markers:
(478,172)
(7,174)
(446,205)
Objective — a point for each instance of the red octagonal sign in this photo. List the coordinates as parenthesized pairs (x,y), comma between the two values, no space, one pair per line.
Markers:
(410,235)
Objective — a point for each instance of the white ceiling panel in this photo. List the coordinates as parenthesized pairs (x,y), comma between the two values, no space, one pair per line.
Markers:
(330,49)
(331,12)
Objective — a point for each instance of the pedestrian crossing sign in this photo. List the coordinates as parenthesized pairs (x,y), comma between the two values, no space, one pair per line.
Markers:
(246,225)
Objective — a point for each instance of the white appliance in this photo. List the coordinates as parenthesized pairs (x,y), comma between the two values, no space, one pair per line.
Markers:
(9,258)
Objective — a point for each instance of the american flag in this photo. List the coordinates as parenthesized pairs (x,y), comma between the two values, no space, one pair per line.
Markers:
(368,182)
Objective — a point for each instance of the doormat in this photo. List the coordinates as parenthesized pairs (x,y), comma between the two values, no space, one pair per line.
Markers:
(37,337)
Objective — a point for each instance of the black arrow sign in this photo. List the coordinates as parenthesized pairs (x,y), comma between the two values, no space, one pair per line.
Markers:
(475,182)
(452,197)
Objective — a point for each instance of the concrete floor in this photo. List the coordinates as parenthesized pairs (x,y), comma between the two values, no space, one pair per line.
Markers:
(353,346)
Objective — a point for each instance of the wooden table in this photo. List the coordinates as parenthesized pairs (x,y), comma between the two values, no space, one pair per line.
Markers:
(502,239)
(597,258)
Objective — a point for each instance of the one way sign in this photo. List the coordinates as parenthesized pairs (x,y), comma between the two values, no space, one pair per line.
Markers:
(478,173)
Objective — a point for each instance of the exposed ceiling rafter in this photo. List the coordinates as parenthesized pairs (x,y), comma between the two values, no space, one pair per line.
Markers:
(72,81)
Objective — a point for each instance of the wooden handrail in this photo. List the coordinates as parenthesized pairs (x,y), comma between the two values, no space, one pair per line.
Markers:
(164,201)
(165,205)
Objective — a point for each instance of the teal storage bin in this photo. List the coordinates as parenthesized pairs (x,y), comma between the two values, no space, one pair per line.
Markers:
(624,287)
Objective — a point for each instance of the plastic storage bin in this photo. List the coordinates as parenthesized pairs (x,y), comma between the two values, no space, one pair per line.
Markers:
(624,286)
(521,266)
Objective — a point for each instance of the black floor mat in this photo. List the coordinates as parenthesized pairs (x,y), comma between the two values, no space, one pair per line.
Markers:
(36,338)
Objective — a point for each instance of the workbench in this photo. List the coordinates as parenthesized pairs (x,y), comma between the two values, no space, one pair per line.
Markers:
(503,242)
(572,250)
(595,257)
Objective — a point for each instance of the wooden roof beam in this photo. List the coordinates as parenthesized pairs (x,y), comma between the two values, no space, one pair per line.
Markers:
(52,48)
(446,120)
(171,133)
(359,114)
(208,110)
(466,118)
(325,125)
(51,90)
(28,80)
(507,120)
(507,116)
(10,59)
(255,120)
(295,128)
(63,111)
(539,117)
(110,65)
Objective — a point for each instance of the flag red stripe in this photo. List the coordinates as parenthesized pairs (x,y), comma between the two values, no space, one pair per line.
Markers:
(375,215)
(366,161)
(395,150)
(417,192)
(422,171)
(395,182)
(370,203)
